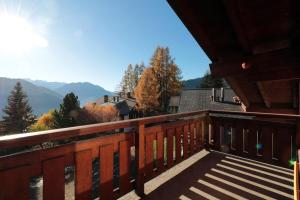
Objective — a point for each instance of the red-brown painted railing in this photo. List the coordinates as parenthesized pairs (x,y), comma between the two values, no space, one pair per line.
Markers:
(16,170)
(159,142)
(266,137)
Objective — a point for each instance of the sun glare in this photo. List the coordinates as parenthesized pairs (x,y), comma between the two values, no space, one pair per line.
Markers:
(17,35)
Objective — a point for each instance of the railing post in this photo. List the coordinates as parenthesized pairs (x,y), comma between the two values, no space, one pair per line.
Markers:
(298,140)
(140,158)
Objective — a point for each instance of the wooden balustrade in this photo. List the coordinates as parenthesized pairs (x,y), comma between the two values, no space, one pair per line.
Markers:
(148,147)
(100,141)
(266,137)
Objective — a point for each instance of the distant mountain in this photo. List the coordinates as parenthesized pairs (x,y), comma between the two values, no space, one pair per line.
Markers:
(192,83)
(86,92)
(46,84)
(41,99)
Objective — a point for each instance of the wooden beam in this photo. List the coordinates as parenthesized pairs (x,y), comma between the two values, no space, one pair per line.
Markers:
(299,96)
(235,18)
(271,46)
(237,89)
(295,91)
(264,95)
(278,65)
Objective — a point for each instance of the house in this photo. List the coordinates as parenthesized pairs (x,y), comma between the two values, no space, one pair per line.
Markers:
(125,105)
(205,99)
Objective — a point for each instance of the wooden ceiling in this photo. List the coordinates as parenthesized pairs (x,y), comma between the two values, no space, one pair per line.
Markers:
(254,45)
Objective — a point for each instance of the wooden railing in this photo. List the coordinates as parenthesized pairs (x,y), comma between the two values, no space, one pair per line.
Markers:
(100,141)
(132,152)
(266,137)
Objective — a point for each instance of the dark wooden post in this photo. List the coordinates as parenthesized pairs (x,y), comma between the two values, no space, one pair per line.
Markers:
(140,158)
(298,139)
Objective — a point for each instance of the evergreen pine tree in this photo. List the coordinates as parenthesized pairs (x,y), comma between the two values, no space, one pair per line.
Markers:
(209,82)
(130,78)
(18,113)
(69,111)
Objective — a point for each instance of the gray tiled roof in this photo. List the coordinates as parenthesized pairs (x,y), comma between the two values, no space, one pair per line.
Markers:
(130,102)
(174,101)
(199,99)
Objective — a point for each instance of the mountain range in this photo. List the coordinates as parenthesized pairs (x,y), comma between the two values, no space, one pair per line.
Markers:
(192,83)
(44,95)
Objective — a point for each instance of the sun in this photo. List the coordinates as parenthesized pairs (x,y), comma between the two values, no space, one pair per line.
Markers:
(17,35)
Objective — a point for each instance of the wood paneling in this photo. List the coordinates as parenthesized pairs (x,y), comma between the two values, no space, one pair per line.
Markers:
(54,179)
(106,171)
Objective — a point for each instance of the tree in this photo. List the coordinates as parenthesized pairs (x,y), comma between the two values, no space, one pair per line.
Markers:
(100,113)
(131,77)
(209,82)
(69,111)
(46,122)
(18,113)
(167,74)
(147,92)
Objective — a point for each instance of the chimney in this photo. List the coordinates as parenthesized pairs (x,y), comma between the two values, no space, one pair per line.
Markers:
(213,94)
(105,98)
(222,94)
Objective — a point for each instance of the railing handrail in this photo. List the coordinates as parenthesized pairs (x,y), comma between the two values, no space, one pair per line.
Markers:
(256,114)
(33,138)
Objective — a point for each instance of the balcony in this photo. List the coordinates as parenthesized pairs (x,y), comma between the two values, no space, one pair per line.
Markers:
(195,155)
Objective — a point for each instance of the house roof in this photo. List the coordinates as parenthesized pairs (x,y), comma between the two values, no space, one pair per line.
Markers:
(174,101)
(122,104)
(200,99)
(130,101)
(254,45)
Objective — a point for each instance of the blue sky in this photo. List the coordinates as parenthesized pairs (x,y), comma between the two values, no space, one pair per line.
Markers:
(93,40)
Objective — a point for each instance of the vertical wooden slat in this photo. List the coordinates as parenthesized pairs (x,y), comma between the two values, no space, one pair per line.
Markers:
(83,175)
(239,137)
(14,184)
(170,147)
(275,143)
(149,155)
(185,141)
(284,136)
(198,135)
(253,128)
(54,179)
(160,151)
(178,144)
(216,126)
(124,163)
(266,132)
(192,138)
(207,132)
(106,171)
(227,134)
(140,155)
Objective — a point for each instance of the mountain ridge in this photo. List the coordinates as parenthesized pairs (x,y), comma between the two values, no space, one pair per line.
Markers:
(44,96)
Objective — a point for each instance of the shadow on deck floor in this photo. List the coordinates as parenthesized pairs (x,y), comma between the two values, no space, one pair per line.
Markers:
(220,176)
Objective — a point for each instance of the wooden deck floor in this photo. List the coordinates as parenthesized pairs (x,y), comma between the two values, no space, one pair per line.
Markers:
(219,176)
